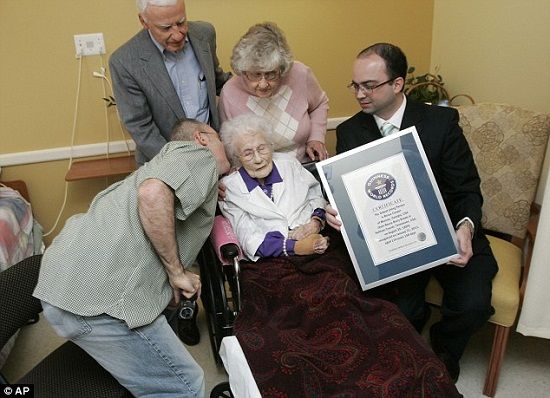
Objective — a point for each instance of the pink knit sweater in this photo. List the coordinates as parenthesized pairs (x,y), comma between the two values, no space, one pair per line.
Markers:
(298,110)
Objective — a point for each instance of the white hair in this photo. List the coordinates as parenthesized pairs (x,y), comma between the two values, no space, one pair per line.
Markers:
(143,4)
(262,48)
(246,124)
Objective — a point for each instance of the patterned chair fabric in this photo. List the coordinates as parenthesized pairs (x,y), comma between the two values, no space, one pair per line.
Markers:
(509,145)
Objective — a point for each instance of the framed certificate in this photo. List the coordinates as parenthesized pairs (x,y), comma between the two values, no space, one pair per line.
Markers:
(394,221)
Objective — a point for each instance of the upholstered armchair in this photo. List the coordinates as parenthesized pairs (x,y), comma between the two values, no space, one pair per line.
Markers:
(508,144)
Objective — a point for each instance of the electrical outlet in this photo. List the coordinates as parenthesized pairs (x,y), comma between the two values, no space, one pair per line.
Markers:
(89,44)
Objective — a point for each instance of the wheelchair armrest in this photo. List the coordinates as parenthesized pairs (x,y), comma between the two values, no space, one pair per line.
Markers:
(227,249)
(225,241)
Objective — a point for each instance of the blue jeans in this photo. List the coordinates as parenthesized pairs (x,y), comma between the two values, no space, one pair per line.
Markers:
(149,360)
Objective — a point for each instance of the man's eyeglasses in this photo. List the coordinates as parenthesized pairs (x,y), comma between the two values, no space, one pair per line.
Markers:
(258,76)
(262,149)
(366,88)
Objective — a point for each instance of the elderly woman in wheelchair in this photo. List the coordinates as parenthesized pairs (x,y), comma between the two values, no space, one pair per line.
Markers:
(274,205)
(306,328)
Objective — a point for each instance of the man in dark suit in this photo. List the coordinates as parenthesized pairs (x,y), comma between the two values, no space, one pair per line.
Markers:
(379,74)
(166,72)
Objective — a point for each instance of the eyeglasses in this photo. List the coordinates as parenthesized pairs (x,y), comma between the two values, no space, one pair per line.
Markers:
(258,76)
(262,149)
(366,89)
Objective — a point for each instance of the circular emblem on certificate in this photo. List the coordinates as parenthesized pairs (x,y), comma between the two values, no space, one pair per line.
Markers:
(380,186)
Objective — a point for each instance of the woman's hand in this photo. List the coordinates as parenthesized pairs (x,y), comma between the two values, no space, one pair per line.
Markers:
(313,244)
(316,149)
(303,231)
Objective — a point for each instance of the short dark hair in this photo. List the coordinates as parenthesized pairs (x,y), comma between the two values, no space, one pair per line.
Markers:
(183,129)
(395,59)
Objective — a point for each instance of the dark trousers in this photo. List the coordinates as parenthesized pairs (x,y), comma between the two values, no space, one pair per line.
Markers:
(466,302)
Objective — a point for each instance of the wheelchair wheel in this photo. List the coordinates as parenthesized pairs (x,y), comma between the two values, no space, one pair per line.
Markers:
(221,390)
(219,316)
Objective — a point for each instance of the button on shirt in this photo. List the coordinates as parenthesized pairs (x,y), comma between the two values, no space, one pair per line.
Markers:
(103,262)
(188,80)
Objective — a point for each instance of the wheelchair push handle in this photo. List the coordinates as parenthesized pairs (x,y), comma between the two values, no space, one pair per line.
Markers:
(229,251)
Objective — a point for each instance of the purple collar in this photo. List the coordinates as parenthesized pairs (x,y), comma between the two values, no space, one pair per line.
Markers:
(251,183)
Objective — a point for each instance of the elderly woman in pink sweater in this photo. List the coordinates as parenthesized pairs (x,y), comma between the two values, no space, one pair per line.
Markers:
(271,84)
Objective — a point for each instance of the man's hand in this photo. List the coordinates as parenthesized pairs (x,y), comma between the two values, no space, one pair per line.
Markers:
(221,191)
(186,283)
(156,213)
(331,219)
(465,252)
(316,149)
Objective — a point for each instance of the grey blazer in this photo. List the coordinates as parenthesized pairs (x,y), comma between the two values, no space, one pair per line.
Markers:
(146,99)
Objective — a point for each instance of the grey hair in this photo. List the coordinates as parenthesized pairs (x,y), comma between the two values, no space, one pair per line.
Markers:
(184,129)
(262,48)
(143,4)
(246,124)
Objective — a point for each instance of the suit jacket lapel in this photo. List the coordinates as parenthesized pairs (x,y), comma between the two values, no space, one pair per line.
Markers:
(202,51)
(154,68)
(370,131)
(204,55)
(412,117)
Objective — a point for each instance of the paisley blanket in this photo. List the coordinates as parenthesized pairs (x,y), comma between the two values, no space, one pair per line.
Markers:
(307,330)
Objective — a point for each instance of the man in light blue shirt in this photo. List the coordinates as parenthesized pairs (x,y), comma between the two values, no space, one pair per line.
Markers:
(166,72)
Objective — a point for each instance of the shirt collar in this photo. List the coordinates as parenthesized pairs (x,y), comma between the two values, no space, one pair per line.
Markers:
(251,183)
(396,118)
(160,47)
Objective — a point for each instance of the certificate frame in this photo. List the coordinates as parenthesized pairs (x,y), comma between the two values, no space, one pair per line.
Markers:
(394,220)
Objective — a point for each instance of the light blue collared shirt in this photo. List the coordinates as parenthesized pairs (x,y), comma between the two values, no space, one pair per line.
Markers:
(188,79)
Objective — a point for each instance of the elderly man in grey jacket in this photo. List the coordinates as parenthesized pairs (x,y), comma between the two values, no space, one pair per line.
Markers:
(167,71)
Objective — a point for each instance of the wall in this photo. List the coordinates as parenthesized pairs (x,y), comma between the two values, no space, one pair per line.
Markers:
(496,51)
(39,72)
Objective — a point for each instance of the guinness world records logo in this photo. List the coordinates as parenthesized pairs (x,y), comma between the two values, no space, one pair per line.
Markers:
(380,186)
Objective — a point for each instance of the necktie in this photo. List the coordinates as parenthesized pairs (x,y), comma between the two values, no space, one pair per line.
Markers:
(387,129)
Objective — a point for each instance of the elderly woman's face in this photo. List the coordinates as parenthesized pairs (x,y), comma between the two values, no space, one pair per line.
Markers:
(262,84)
(255,154)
